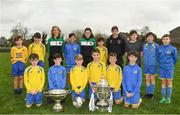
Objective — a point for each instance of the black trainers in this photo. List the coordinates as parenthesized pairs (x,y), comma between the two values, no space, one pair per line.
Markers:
(146,96)
(151,96)
(20,91)
(16,91)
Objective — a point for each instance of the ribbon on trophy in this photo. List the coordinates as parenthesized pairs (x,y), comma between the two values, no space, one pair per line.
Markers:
(92,103)
(110,101)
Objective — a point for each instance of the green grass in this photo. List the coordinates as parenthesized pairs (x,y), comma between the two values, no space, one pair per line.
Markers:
(10,103)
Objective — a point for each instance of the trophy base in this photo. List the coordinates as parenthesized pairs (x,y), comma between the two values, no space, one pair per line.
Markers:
(102,106)
(102,109)
(58,107)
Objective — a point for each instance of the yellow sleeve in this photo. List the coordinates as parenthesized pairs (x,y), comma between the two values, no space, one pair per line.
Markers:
(26,54)
(85,79)
(29,49)
(72,80)
(44,50)
(26,81)
(104,70)
(106,54)
(12,54)
(88,73)
(41,85)
(119,81)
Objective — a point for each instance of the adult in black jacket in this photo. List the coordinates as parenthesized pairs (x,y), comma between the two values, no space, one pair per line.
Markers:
(117,43)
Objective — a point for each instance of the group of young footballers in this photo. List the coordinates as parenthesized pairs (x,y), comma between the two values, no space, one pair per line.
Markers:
(87,63)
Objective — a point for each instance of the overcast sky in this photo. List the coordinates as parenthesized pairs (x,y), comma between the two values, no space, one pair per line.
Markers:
(40,15)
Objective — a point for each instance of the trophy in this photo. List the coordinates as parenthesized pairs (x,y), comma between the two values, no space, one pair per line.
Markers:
(57,96)
(103,95)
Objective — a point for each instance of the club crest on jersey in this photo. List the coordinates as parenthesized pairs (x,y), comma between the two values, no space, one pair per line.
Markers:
(119,41)
(135,72)
(75,48)
(60,72)
(38,71)
(168,52)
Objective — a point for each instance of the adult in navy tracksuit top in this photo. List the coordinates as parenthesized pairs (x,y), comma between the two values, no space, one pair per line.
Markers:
(132,79)
(116,43)
(56,77)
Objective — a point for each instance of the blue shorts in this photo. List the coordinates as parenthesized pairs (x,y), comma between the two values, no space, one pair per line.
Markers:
(150,69)
(75,95)
(117,95)
(41,63)
(132,100)
(68,68)
(36,98)
(18,69)
(166,74)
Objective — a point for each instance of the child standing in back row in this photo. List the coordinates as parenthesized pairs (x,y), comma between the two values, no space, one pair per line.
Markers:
(71,49)
(167,59)
(19,55)
(103,50)
(39,48)
(150,50)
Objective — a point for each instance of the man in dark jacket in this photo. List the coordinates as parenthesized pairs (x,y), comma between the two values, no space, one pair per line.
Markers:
(117,43)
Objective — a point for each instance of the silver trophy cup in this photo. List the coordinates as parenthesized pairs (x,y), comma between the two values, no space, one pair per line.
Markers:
(57,96)
(103,95)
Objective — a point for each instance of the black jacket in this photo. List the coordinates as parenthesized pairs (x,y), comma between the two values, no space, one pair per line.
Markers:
(117,45)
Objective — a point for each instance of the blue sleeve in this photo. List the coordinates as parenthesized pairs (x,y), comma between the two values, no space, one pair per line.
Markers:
(78,49)
(124,81)
(139,81)
(65,51)
(157,53)
(50,84)
(64,79)
(175,55)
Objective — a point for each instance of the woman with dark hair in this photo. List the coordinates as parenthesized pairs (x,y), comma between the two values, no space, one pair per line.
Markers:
(55,44)
(87,44)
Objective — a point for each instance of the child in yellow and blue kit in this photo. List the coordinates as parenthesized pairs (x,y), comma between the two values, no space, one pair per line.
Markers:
(103,50)
(34,79)
(19,55)
(78,79)
(96,70)
(114,78)
(38,47)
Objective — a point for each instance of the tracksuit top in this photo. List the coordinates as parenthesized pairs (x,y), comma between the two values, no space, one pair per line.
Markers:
(132,78)
(168,56)
(150,51)
(56,77)
(70,51)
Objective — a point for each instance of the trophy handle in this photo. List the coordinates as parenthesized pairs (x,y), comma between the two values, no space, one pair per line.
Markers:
(45,93)
(69,91)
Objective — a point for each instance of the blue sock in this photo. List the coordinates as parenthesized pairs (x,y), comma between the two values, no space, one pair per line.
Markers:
(169,92)
(163,92)
(147,89)
(152,87)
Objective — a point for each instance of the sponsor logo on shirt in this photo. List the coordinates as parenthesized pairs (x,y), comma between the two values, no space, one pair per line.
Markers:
(87,43)
(56,43)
